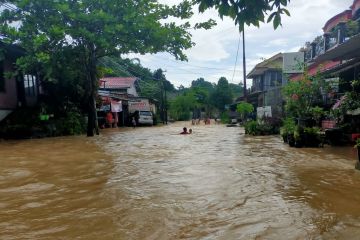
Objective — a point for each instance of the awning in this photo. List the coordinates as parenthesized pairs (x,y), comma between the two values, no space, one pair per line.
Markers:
(343,67)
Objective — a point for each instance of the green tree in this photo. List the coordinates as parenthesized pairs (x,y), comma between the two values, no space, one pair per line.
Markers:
(202,83)
(237,89)
(92,29)
(244,108)
(181,106)
(248,12)
(303,95)
(222,95)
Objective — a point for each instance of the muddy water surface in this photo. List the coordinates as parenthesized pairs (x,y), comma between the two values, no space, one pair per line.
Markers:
(151,183)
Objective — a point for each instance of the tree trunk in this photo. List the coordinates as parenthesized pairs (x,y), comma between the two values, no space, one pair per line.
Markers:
(92,115)
(91,118)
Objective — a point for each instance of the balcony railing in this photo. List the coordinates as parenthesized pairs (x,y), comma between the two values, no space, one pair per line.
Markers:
(340,34)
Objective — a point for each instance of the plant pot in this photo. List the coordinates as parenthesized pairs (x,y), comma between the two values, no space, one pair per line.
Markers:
(311,140)
(285,138)
(298,144)
(358,150)
(334,136)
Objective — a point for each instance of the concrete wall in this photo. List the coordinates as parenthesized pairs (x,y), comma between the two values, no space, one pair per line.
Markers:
(132,91)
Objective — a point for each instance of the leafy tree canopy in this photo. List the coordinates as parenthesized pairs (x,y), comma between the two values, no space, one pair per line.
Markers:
(222,95)
(244,108)
(92,29)
(248,12)
(304,94)
(201,83)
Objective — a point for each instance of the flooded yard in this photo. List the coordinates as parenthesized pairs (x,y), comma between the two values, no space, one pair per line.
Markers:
(152,183)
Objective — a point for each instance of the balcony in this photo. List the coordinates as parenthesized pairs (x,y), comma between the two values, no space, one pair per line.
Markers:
(339,35)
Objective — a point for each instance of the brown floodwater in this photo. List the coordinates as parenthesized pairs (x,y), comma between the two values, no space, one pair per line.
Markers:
(152,183)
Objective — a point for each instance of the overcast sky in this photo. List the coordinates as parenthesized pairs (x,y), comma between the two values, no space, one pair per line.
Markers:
(215,51)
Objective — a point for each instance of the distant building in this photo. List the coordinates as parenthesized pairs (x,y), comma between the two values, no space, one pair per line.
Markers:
(124,91)
(267,81)
(120,85)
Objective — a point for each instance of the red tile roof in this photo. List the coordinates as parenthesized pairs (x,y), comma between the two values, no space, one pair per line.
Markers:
(117,82)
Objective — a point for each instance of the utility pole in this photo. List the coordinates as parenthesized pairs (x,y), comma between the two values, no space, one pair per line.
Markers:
(166,113)
(163,101)
(165,120)
(244,64)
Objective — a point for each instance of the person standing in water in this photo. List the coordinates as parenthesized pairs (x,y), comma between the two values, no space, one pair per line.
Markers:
(133,122)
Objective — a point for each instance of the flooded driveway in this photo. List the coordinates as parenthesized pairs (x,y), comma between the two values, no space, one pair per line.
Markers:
(151,183)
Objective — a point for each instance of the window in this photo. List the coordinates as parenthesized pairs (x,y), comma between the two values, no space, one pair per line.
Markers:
(2,77)
(30,85)
(275,79)
(145,113)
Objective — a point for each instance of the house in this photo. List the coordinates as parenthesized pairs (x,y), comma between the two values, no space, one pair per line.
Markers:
(127,86)
(336,53)
(267,81)
(21,90)
(124,91)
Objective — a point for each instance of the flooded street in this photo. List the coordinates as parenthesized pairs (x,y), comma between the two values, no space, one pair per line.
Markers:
(151,183)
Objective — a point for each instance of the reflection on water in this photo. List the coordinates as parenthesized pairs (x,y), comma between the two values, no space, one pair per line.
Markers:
(151,183)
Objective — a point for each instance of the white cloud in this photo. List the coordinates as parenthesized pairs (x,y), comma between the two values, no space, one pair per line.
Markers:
(278,42)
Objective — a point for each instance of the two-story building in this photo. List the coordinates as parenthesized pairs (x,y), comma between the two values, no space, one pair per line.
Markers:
(267,81)
(336,53)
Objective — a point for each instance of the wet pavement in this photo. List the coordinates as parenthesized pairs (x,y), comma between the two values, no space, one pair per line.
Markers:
(152,183)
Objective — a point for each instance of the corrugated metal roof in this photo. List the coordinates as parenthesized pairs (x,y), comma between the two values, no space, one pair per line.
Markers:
(117,82)
(260,68)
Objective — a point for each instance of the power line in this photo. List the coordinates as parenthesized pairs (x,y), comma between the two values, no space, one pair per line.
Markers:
(236,59)
(195,66)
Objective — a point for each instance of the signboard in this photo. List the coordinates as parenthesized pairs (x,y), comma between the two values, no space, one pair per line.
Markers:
(116,106)
(105,108)
(104,93)
(263,112)
(293,62)
(139,105)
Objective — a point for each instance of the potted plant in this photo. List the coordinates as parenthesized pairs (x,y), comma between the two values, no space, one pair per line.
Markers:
(287,129)
(357,145)
(298,136)
(312,137)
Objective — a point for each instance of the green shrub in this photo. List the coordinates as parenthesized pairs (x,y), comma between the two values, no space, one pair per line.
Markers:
(288,127)
(313,131)
(298,131)
(225,117)
(244,109)
(72,124)
(251,128)
(265,129)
